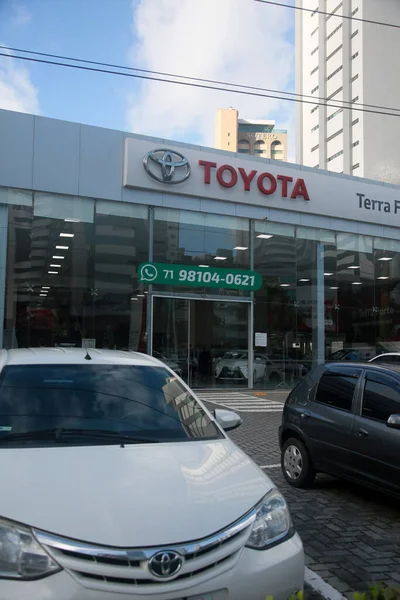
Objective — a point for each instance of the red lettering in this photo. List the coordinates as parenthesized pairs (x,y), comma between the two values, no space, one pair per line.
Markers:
(285,180)
(207,169)
(247,178)
(299,189)
(260,183)
(220,176)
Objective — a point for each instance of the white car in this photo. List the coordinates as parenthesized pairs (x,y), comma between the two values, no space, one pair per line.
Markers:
(234,365)
(117,483)
(388,358)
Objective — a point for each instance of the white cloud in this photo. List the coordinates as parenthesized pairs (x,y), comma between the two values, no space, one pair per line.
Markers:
(21,14)
(236,41)
(17,92)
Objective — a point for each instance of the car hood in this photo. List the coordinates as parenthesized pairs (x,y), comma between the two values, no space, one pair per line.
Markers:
(232,362)
(138,495)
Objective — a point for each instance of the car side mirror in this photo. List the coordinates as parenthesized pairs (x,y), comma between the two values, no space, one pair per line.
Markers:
(227,419)
(393,422)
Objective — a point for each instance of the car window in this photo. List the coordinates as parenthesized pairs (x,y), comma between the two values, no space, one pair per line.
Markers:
(336,388)
(143,401)
(381,397)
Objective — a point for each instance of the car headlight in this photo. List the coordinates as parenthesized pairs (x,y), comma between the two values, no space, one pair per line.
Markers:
(244,370)
(21,556)
(272,523)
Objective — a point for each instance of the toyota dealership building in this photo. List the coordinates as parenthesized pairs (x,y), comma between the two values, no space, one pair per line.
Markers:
(232,268)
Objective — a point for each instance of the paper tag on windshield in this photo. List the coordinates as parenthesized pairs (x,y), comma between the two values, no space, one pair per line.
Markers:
(5,428)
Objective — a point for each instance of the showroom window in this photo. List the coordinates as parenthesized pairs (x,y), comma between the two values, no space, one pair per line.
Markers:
(198,239)
(71,273)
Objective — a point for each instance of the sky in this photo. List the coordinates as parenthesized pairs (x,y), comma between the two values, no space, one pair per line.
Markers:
(236,41)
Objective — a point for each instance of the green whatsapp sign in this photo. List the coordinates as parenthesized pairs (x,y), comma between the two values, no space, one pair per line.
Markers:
(210,277)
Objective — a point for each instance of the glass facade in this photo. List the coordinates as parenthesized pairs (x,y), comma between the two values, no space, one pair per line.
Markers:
(71,274)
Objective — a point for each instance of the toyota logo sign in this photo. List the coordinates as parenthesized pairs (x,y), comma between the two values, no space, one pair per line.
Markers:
(167,166)
(165,564)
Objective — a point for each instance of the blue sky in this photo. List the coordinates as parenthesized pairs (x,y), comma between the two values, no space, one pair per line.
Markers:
(178,36)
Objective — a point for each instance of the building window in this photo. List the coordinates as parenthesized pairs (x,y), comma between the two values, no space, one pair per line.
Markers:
(331,137)
(316,167)
(354,11)
(314,51)
(334,31)
(244,146)
(229,135)
(354,167)
(94,290)
(229,143)
(334,52)
(334,93)
(356,99)
(355,144)
(353,35)
(276,150)
(334,114)
(314,109)
(314,70)
(314,32)
(335,72)
(334,11)
(334,156)
(315,148)
(354,56)
(315,128)
(314,89)
(355,121)
(259,147)
(354,78)
(314,11)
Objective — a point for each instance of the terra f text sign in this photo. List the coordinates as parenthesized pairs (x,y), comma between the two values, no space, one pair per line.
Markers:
(191,276)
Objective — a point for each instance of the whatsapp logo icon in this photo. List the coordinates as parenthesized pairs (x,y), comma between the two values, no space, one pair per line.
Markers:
(148,272)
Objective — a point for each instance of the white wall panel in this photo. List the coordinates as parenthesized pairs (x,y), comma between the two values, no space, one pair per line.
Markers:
(16,149)
(56,159)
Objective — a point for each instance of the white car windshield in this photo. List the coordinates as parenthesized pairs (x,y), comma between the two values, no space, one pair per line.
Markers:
(97,404)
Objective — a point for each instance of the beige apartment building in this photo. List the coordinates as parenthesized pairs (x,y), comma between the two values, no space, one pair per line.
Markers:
(249,136)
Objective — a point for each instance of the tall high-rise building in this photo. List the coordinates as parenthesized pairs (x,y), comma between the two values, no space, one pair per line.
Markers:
(246,136)
(340,59)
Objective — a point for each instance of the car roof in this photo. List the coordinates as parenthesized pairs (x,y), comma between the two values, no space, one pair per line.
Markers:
(362,365)
(68,356)
(387,354)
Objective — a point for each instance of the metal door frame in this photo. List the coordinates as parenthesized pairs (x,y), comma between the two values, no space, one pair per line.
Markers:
(177,296)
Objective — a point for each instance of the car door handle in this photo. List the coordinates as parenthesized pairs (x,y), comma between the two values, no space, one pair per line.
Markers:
(362,433)
(305,414)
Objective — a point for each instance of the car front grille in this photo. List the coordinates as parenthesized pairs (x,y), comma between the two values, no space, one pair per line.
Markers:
(229,373)
(118,569)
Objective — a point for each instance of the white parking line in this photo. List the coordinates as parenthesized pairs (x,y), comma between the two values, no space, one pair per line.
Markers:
(276,466)
(241,402)
(321,586)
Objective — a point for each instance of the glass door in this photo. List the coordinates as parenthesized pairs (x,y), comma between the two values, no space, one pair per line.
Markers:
(171,334)
(205,341)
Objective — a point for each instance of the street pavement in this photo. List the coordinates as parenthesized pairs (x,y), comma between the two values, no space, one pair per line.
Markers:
(351,535)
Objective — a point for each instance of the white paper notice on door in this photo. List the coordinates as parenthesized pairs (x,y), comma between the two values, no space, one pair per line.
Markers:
(261,339)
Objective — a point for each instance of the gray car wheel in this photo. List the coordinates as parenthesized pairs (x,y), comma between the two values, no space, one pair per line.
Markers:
(296,464)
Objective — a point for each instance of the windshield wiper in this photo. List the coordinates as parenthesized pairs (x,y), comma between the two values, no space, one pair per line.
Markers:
(60,434)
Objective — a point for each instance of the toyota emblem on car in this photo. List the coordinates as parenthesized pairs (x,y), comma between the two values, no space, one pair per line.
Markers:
(165,564)
(167,166)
